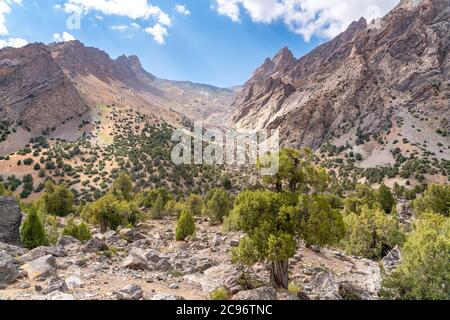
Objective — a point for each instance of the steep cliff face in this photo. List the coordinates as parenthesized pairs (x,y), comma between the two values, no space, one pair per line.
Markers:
(360,81)
(35,93)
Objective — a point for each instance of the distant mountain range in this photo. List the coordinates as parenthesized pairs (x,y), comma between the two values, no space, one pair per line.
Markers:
(388,79)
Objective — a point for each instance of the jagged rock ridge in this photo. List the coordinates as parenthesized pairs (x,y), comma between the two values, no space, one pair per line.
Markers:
(362,79)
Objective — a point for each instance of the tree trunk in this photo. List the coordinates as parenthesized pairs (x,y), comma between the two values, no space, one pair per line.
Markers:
(279,186)
(279,274)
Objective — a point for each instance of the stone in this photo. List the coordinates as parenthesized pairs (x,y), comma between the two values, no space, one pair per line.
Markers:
(323,286)
(55,284)
(129,292)
(349,291)
(56,296)
(95,245)
(166,297)
(42,251)
(216,241)
(135,262)
(10,221)
(163,265)
(64,241)
(9,271)
(392,260)
(24,285)
(13,250)
(74,282)
(41,268)
(174,286)
(263,293)
(153,256)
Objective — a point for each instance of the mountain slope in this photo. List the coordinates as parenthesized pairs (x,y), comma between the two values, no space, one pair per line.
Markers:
(360,84)
(58,88)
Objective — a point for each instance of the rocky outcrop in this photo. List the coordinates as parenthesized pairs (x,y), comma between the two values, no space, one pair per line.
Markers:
(10,221)
(8,270)
(34,90)
(129,292)
(41,268)
(361,79)
(259,294)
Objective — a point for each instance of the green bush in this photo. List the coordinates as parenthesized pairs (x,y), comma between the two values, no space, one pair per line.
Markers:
(320,224)
(185,226)
(220,294)
(218,206)
(424,272)
(78,231)
(436,199)
(32,231)
(371,233)
(58,200)
(157,210)
(109,212)
(385,198)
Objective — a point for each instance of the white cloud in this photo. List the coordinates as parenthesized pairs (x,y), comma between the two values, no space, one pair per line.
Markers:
(158,32)
(64,37)
(322,18)
(13,42)
(138,9)
(5,8)
(181,9)
(129,30)
(228,8)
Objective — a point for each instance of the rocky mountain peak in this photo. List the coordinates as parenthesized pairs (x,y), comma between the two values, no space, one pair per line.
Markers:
(284,58)
(366,76)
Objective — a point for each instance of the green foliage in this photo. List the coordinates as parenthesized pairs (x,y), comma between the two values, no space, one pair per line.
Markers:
(185,226)
(109,212)
(220,294)
(157,210)
(297,170)
(294,288)
(321,223)
(148,198)
(436,199)
(424,272)
(371,233)
(122,187)
(32,231)
(58,199)
(194,204)
(78,231)
(4,191)
(218,206)
(270,226)
(174,208)
(385,198)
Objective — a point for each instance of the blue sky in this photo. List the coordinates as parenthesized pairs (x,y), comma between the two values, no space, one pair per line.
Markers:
(218,42)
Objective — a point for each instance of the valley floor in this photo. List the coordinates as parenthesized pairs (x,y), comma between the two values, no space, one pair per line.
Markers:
(165,269)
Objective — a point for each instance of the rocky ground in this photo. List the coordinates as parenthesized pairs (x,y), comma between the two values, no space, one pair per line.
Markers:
(147,263)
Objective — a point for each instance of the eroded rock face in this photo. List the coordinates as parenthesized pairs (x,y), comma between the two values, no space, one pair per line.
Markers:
(365,76)
(34,90)
(10,221)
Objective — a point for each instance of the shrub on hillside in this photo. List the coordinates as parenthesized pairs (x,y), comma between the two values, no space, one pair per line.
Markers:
(424,272)
(32,231)
(371,233)
(78,231)
(185,226)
